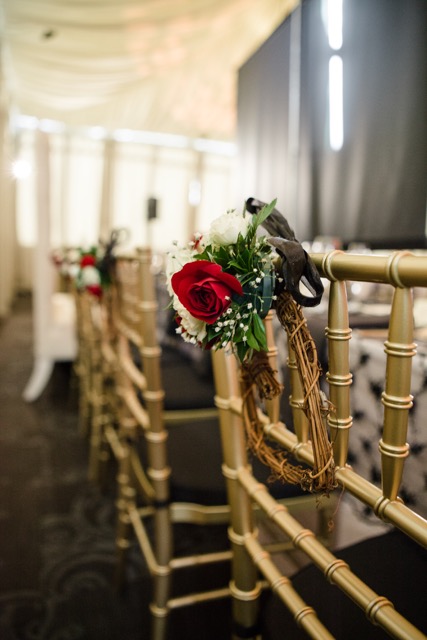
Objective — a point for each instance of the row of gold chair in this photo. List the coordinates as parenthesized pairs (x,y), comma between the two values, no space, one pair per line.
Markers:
(125,410)
(128,420)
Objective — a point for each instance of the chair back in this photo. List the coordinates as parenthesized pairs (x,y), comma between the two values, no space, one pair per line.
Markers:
(88,361)
(401,273)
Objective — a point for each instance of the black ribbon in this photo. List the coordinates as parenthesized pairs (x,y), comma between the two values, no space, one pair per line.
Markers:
(297,265)
(106,262)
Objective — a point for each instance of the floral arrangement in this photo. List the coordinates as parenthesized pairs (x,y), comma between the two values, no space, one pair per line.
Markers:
(89,276)
(89,268)
(66,261)
(81,266)
(222,284)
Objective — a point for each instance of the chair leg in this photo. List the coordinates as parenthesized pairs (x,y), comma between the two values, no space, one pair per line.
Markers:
(245,591)
(98,453)
(162,573)
(85,413)
(159,624)
(103,465)
(245,586)
(126,495)
(99,449)
(122,547)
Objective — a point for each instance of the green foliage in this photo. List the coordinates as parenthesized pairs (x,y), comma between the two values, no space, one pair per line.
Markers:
(259,218)
(249,260)
(246,254)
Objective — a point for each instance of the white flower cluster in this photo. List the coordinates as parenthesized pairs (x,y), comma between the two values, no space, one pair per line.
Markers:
(225,229)
(235,319)
(175,260)
(191,329)
(90,276)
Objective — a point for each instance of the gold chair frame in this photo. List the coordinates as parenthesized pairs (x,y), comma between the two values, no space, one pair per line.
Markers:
(88,364)
(94,368)
(144,491)
(402,271)
(83,365)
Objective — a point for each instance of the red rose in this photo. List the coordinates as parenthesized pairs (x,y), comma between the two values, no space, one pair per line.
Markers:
(95,289)
(205,290)
(87,261)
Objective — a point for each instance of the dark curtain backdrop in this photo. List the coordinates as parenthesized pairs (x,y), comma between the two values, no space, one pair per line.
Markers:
(263,117)
(375,188)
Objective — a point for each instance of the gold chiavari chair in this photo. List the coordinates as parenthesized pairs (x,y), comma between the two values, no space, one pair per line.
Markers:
(148,500)
(338,593)
(94,369)
(81,366)
(88,362)
(105,400)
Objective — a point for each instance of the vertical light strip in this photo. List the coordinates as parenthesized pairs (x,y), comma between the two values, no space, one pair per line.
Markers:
(333,12)
(335,24)
(336,124)
(294,107)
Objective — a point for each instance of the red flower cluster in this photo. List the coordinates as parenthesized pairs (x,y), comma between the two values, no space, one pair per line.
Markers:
(88,260)
(95,289)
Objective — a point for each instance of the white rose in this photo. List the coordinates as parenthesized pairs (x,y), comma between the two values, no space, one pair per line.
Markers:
(74,271)
(225,229)
(90,276)
(175,260)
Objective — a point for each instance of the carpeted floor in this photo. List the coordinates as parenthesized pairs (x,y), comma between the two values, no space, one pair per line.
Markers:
(56,530)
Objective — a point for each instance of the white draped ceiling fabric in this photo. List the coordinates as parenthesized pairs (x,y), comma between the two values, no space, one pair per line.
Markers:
(158,65)
(131,69)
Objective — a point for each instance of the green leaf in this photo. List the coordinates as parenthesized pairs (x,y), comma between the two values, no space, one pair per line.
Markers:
(252,341)
(211,333)
(259,331)
(264,213)
(241,349)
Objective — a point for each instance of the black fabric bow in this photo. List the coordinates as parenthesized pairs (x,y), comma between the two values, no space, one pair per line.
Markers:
(297,265)
(106,263)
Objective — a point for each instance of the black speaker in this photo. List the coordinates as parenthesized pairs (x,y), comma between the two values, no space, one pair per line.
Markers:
(151,208)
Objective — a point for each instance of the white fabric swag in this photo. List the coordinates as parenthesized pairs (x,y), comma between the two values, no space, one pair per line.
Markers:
(155,65)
